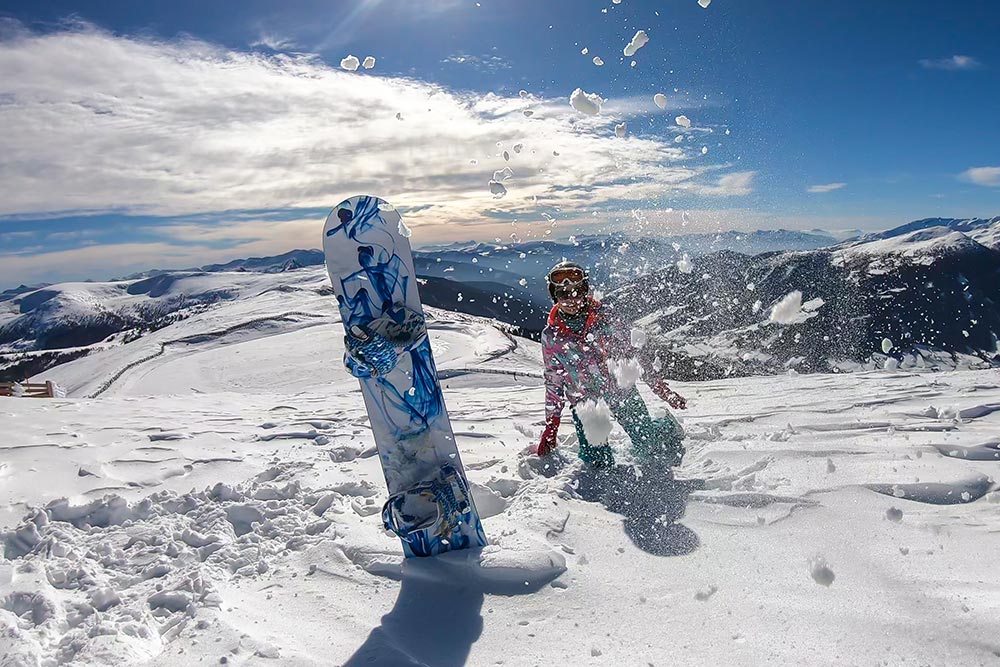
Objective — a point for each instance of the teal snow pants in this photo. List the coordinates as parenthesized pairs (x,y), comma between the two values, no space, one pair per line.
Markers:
(653,440)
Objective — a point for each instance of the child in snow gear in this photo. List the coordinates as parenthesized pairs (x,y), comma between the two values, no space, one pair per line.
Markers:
(578,341)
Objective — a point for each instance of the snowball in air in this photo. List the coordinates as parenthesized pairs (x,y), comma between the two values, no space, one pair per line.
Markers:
(660,100)
(684,265)
(886,345)
(598,61)
(497,189)
(683,121)
(704,3)
(638,41)
(595,417)
(638,338)
(369,62)
(620,130)
(350,63)
(586,103)
(787,310)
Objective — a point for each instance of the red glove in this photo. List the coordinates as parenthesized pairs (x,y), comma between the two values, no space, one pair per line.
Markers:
(672,398)
(548,442)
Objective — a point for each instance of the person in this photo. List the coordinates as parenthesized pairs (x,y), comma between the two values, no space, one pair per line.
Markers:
(579,339)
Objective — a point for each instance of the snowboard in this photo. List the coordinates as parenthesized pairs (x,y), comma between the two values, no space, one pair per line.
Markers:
(370,263)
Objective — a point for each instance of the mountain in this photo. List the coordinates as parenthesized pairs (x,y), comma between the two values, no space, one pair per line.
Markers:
(928,289)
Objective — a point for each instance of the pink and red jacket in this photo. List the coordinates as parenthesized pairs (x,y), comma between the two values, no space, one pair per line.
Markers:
(576,365)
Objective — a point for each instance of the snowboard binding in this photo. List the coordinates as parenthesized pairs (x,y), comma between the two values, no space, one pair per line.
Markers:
(372,354)
(431,509)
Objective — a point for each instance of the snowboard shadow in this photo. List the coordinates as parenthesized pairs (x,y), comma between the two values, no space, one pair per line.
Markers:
(651,503)
(437,616)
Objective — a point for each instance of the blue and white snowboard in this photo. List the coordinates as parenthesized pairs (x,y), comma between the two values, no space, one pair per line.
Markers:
(370,264)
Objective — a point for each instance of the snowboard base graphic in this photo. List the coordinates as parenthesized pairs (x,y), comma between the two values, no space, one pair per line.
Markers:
(370,264)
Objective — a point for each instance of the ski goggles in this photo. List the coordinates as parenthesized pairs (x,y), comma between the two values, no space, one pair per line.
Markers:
(567,276)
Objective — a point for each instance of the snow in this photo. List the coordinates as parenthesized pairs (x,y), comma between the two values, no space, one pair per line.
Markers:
(350,63)
(787,310)
(637,337)
(685,265)
(598,61)
(595,417)
(369,62)
(219,499)
(887,345)
(638,41)
(625,371)
(704,3)
(620,129)
(683,121)
(586,103)
(660,100)
(497,189)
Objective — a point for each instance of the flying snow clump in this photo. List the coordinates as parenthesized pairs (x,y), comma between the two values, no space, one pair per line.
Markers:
(637,337)
(620,129)
(369,62)
(497,189)
(683,121)
(598,61)
(586,103)
(704,3)
(626,371)
(886,345)
(502,174)
(787,310)
(404,231)
(638,41)
(350,63)
(684,265)
(660,100)
(595,417)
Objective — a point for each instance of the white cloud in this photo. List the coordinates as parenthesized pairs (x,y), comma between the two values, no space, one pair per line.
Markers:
(955,62)
(172,128)
(730,185)
(989,176)
(829,187)
(486,63)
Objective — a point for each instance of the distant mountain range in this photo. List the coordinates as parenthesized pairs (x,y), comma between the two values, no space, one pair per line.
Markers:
(931,285)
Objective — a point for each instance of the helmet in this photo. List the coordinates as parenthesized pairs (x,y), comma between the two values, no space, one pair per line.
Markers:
(567,278)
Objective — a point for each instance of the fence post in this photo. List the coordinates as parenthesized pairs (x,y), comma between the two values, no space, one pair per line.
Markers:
(50,389)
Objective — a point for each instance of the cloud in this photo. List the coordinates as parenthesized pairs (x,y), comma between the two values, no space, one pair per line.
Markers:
(953,63)
(486,63)
(829,187)
(989,176)
(162,128)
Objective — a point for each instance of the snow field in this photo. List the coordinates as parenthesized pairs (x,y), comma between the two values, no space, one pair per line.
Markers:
(220,500)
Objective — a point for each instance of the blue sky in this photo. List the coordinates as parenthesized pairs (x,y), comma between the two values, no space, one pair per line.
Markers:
(175,134)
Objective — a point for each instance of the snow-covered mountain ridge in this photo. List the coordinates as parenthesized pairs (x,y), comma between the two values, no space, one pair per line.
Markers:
(931,290)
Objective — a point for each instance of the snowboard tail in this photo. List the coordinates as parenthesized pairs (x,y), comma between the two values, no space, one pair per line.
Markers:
(386,347)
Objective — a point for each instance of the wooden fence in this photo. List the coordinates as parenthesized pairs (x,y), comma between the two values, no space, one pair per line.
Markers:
(45,389)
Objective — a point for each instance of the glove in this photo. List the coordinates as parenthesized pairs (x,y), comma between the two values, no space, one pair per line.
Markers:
(548,442)
(671,397)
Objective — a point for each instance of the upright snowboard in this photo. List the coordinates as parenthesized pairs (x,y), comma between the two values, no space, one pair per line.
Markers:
(370,264)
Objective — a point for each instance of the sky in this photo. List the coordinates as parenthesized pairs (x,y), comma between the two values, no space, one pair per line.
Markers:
(176,134)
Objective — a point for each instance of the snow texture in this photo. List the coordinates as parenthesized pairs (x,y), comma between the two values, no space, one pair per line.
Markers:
(230,510)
